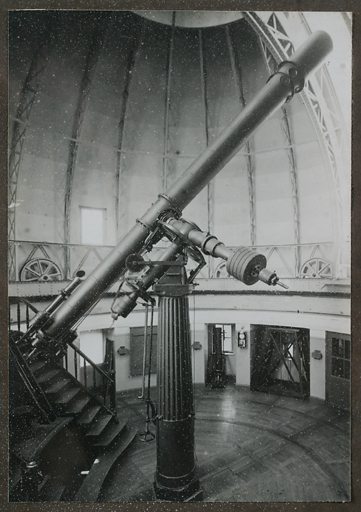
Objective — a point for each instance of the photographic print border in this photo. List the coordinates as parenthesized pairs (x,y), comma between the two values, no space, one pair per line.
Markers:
(351,6)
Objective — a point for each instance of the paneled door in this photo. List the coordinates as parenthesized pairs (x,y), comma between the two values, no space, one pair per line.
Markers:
(338,370)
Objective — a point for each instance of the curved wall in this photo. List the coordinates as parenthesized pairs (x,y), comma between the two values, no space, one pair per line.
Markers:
(139,101)
(319,315)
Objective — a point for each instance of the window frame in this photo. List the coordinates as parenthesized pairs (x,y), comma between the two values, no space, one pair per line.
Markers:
(103,226)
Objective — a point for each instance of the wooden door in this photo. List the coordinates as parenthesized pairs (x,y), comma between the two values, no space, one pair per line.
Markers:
(338,370)
(137,351)
(280,360)
(216,367)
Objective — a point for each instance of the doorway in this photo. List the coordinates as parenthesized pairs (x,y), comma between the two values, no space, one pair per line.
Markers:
(280,360)
(220,362)
(338,370)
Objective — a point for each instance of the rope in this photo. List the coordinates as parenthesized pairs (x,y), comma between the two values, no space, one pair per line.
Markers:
(147,435)
(141,397)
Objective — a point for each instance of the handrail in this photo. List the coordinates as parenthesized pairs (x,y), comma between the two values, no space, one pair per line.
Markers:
(60,244)
(84,356)
(31,383)
(17,301)
(108,387)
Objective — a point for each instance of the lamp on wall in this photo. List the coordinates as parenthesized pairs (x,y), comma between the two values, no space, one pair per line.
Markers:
(242,339)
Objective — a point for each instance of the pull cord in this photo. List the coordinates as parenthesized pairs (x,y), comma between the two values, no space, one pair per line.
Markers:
(147,435)
(141,396)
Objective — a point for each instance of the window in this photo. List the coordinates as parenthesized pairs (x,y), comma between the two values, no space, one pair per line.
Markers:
(92,225)
(91,343)
(341,358)
(227,343)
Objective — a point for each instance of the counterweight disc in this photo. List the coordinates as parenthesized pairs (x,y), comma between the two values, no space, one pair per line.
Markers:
(246,264)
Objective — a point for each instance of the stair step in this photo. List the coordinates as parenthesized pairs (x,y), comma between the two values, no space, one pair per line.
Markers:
(43,483)
(99,425)
(34,367)
(78,406)
(14,478)
(88,416)
(197,496)
(57,386)
(31,449)
(51,491)
(67,396)
(49,374)
(91,487)
(110,433)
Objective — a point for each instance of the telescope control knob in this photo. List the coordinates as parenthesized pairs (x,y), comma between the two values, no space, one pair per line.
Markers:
(134,262)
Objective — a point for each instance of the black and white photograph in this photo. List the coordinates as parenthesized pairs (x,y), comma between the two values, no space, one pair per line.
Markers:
(179,256)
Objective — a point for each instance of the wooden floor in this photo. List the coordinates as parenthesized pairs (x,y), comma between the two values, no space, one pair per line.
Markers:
(250,447)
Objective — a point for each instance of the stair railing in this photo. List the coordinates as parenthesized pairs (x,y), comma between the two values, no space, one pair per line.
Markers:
(37,394)
(109,367)
(100,383)
(44,407)
(21,316)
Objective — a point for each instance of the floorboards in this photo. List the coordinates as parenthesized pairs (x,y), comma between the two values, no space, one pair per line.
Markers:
(250,446)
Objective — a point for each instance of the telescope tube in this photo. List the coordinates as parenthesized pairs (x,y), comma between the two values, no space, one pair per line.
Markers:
(288,80)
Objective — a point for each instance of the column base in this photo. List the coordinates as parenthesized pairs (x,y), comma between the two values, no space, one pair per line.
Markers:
(190,492)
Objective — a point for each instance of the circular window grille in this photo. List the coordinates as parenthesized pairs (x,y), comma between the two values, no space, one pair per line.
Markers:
(221,270)
(41,270)
(316,268)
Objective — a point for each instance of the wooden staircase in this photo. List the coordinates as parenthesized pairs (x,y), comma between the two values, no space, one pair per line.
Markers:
(66,456)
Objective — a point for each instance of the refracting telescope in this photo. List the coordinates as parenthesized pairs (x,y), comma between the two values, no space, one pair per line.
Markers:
(176,474)
(243,263)
(163,218)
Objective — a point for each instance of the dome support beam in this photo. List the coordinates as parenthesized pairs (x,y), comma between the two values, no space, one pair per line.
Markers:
(95,47)
(210,186)
(169,66)
(321,105)
(119,200)
(294,184)
(272,65)
(25,105)
(236,69)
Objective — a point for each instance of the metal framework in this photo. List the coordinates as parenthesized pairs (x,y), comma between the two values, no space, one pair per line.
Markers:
(81,255)
(169,66)
(321,103)
(272,65)
(26,102)
(95,47)
(53,252)
(119,214)
(286,343)
(294,185)
(236,68)
(284,257)
(40,268)
(210,186)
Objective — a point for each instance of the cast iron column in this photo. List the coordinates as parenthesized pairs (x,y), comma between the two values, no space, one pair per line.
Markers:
(175,478)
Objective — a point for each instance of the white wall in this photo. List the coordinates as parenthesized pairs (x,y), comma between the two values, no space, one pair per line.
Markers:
(318,366)
(235,309)
(91,343)
(120,333)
